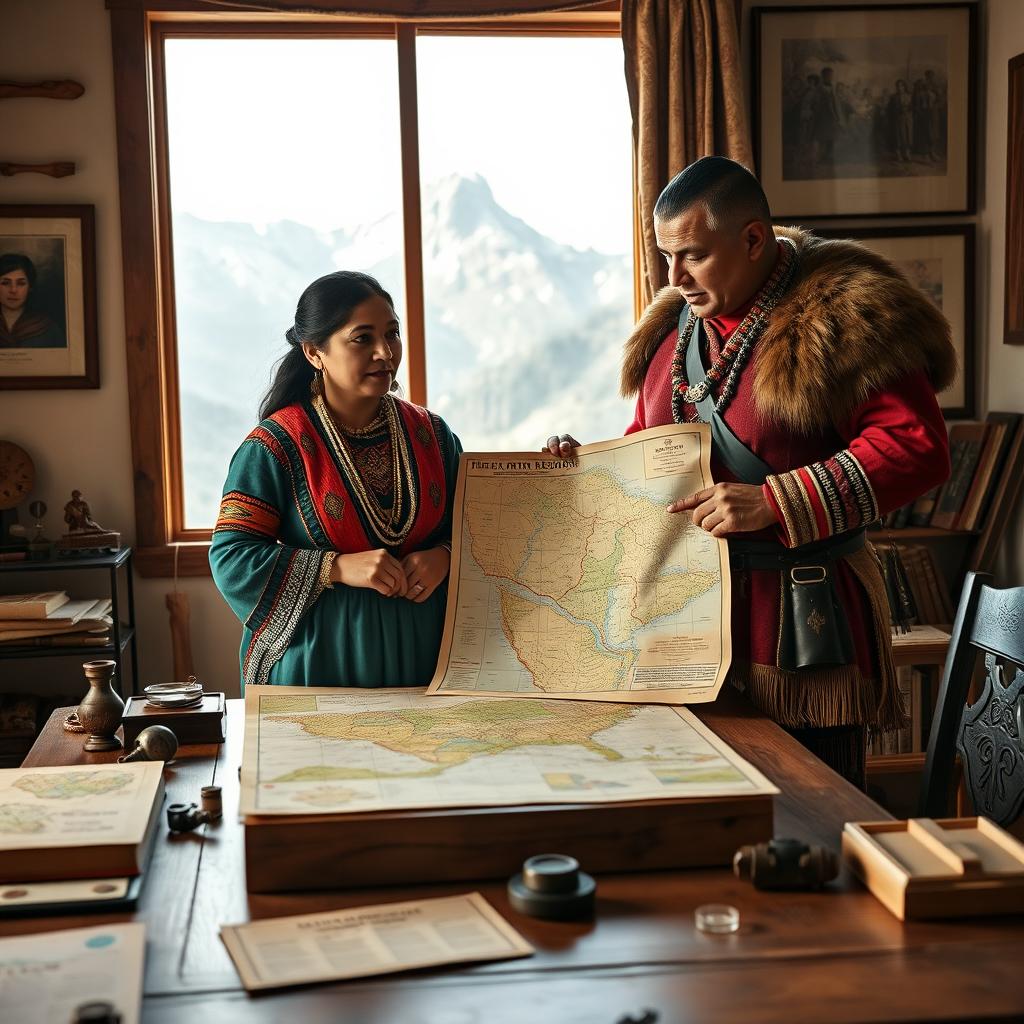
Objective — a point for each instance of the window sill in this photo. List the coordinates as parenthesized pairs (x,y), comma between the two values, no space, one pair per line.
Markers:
(158,562)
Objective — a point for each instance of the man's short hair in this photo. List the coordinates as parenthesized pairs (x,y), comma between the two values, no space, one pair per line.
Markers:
(730,194)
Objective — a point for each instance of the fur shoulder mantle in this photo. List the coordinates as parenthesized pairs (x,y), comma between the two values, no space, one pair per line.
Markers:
(849,325)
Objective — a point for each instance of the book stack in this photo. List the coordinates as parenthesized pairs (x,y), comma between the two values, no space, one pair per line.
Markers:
(980,455)
(52,619)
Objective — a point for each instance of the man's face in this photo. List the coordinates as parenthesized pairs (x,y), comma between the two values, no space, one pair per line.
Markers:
(716,271)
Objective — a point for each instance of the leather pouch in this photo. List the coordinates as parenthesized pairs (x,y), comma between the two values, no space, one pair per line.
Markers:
(814,631)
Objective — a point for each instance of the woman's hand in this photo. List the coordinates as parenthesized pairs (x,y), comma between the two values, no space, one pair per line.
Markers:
(562,446)
(728,508)
(373,570)
(425,571)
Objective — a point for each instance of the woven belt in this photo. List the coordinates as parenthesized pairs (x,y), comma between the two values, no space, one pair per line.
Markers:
(745,555)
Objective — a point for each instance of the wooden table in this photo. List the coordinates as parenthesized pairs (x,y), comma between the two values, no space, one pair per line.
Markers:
(836,955)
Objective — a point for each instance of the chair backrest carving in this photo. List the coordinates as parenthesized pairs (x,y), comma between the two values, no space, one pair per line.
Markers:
(989,734)
(990,746)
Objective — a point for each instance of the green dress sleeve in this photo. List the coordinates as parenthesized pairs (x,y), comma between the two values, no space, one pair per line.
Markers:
(269,584)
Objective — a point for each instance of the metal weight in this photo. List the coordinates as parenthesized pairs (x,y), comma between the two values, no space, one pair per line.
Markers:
(154,743)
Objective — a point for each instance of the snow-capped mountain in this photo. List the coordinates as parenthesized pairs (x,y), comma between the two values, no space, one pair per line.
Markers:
(523,334)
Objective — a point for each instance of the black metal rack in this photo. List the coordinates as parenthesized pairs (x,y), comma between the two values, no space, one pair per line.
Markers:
(122,633)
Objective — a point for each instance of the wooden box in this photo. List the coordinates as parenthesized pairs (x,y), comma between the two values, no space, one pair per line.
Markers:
(950,867)
(458,844)
(204,723)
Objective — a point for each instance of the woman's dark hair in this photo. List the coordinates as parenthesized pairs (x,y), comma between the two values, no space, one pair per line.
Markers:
(324,307)
(18,261)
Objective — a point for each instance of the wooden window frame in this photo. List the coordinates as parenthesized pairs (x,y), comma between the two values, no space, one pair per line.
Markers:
(164,547)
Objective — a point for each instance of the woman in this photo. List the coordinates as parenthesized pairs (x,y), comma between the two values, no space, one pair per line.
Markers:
(333,540)
(20,327)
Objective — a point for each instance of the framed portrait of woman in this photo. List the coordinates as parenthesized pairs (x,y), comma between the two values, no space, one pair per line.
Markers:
(938,260)
(866,111)
(48,336)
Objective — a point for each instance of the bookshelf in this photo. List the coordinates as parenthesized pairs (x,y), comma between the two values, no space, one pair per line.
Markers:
(937,558)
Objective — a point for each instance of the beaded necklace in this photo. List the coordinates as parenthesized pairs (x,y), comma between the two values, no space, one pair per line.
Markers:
(737,349)
(386,523)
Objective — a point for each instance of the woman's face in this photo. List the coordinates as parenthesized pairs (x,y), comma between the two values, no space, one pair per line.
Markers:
(362,357)
(13,290)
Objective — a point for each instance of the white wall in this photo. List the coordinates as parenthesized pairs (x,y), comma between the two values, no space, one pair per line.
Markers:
(81,438)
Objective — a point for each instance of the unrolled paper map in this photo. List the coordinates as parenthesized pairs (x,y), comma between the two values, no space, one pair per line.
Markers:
(311,750)
(570,579)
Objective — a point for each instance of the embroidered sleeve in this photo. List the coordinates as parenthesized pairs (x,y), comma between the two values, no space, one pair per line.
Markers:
(896,450)
(822,499)
(268,584)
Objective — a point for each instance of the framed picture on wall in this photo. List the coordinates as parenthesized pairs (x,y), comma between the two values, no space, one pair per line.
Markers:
(865,111)
(939,261)
(48,336)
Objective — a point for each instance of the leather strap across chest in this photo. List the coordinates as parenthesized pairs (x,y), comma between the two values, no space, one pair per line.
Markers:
(742,462)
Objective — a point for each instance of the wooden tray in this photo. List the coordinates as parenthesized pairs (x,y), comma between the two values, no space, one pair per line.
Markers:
(406,847)
(950,867)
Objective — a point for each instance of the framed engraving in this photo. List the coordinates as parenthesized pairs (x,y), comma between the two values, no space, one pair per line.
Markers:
(48,336)
(865,111)
(939,261)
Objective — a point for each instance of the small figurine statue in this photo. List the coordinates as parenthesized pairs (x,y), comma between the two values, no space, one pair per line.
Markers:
(84,533)
(78,515)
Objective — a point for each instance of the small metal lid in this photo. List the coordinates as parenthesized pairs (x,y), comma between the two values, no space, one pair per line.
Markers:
(551,872)
(551,886)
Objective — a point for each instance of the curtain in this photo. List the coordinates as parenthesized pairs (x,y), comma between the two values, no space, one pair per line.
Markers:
(685,82)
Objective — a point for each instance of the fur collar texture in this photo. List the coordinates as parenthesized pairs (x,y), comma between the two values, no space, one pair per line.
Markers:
(849,325)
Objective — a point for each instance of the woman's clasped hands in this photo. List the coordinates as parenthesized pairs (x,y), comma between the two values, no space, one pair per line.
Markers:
(415,577)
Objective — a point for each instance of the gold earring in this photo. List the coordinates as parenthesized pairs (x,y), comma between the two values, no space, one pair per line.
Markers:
(316,384)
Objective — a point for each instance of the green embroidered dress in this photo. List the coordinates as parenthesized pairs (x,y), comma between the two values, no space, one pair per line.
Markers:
(290,505)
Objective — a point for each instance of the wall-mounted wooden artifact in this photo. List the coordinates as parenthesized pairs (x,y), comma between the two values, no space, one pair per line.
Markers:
(50,90)
(57,169)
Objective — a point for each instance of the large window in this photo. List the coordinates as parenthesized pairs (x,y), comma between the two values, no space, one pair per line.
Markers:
(481,171)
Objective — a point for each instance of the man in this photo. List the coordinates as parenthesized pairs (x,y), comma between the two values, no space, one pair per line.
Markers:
(828,121)
(816,364)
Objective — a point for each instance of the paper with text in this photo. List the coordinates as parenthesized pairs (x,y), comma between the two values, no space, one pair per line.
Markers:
(364,941)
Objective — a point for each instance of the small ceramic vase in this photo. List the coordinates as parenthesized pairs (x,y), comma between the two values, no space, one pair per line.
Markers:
(101,709)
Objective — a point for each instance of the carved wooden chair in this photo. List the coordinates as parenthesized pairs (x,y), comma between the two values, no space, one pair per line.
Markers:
(990,733)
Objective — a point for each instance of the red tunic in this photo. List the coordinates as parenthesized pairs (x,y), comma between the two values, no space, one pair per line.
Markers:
(892,449)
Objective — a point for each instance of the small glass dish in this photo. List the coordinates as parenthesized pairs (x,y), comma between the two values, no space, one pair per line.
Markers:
(716,919)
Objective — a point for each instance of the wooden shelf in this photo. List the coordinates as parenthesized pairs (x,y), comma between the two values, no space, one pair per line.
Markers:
(892,764)
(921,533)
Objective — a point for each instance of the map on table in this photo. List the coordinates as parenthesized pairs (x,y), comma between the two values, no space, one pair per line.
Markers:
(77,804)
(570,579)
(326,750)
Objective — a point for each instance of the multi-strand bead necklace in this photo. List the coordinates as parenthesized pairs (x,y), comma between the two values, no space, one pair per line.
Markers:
(389,525)
(737,349)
